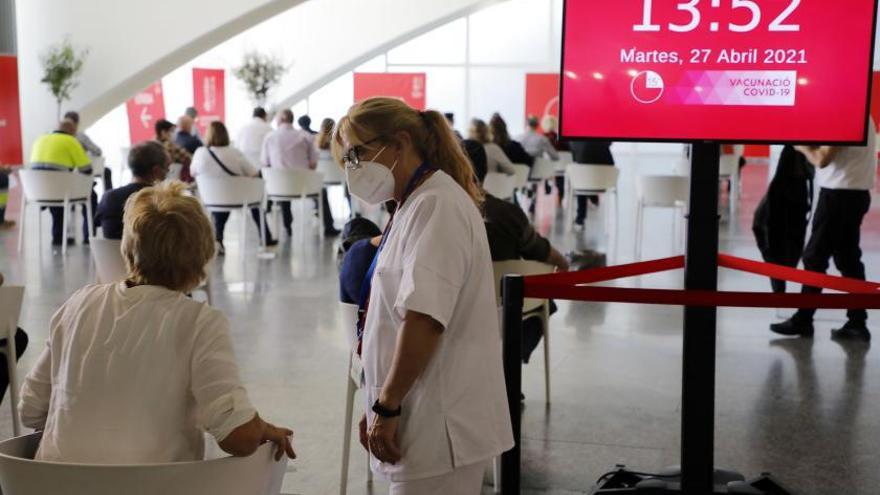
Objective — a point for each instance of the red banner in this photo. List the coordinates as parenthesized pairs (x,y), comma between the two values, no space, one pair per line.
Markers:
(10,116)
(542,96)
(408,87)
(209,96)
(144,109)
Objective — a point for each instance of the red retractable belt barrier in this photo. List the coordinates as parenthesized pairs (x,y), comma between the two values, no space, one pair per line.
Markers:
(859,294)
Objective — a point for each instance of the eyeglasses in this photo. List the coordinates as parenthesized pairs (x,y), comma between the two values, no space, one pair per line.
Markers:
(352,159)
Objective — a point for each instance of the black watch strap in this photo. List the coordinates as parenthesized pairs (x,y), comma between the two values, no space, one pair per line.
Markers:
(384,411)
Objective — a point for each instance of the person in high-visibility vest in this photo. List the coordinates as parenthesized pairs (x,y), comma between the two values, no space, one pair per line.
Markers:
(4,197)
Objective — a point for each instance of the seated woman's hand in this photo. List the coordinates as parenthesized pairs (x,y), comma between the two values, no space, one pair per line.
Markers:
(282,438)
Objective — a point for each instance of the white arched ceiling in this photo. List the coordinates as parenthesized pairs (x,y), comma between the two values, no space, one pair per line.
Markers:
(131,44)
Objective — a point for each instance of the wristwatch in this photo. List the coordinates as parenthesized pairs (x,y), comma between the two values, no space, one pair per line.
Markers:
(384,411)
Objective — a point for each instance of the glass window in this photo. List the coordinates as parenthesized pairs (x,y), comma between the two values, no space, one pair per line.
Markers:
(443,45)
(444,90)
(499,90)
(511,32)
(333,100)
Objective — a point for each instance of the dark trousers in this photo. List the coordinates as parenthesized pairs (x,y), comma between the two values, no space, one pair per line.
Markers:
(287,215)
(108,179)
(221,217)
(21,342)
(836,234)
(58,220)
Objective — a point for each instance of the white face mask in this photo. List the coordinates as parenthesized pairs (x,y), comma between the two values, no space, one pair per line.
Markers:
(372,182)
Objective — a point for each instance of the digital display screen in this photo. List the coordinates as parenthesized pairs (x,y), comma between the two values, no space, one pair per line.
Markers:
(764,71)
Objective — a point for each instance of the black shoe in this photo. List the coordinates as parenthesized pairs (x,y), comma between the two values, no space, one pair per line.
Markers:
(57,242)
(271,242)
(289,232)
(852,331)
(331,232)
(221,249)
(793,327)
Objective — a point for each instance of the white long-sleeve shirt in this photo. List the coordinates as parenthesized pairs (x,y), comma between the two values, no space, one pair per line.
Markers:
(205,164)
(537,145)
(497,161)
(133,376)
(250,138)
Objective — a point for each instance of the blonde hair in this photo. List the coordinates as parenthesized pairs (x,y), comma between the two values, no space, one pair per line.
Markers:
(167,239)
(549,123)
(325,134)
(382,118)
(479,131)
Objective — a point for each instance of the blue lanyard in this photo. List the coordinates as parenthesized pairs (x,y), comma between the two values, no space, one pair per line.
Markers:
(367,285)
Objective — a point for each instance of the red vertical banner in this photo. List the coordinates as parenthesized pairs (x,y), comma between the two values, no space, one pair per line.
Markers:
(10,113)
(408,87)
(542,96)
(209,96)
(144,109)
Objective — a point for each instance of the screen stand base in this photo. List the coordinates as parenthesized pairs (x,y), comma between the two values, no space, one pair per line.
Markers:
(622,481)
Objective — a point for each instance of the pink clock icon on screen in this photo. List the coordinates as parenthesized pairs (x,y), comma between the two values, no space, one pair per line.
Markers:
(646,86)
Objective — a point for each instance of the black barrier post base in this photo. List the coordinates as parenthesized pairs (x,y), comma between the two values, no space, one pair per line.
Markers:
(512,287)
(620,481)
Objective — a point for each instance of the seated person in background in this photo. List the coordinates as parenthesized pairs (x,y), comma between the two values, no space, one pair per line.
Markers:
(21,342)
(60,151)
(185,138)
(513,149)
(535,143)
(135,371)
(220,159)
(512,237)
(149,164)
(496,160)
(5,172)
(91,148)
(360,242)
(164,134)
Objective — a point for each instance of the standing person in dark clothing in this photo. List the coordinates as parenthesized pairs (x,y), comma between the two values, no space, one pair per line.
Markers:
(781,219)
(149,164)
(305,123)
(185,137)
(846,176)
(21,342)
(591,153)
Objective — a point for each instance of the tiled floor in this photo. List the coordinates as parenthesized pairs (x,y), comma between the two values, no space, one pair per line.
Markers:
(800,409)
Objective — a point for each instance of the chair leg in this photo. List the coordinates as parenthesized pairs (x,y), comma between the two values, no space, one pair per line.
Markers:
(640,212)
(90,219)
(321,213)
(616,226)
(346,439)
(21,219)
(263,239)
(12,370)
(545,315)
(243,242)
(496,475)
(65,216)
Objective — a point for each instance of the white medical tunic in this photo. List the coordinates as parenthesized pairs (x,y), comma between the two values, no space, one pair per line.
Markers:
(436,262)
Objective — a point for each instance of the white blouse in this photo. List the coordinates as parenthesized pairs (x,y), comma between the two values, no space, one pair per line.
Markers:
(497,161)
(205,164)
(133,376)
(436,262)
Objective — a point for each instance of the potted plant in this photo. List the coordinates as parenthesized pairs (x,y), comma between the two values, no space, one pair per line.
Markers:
(260,73)
(62,65)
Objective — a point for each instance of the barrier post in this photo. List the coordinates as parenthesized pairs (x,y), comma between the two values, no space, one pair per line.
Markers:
(512,288)
(698,368)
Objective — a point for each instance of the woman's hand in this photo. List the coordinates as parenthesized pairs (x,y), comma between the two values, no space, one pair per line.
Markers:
(282,438)
(382,439)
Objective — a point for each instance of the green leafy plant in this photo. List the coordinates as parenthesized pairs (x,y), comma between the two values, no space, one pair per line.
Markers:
(62,65)
(260,73)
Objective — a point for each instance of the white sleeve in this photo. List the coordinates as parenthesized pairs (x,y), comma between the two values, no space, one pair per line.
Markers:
(249,169)
(437,260)
(503,163)
(221,399)
(197,165)
(33,404)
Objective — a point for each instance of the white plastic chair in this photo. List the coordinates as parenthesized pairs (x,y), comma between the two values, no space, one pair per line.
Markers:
(499,185)
(526,268)
(220,193)
(333,175)
(293,184)
(258,474)
(54,188)
(174,171)
(591,180)
(10,310)
(98,165)
(110,265)
(521,176)
(565,158)
(542,170)
(729,170)
(659,191)
(349,315)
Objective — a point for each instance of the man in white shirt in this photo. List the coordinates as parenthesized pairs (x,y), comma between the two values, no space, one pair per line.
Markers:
(535,143)
(250,138)
(846,176)
(291,148)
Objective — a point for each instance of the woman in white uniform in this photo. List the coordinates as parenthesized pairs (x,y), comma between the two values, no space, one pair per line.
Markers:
(437,409)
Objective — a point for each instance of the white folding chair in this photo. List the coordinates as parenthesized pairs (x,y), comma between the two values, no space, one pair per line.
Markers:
(659,191)
(220,193)
(542,170)
(333,176)
(54,188)
(521,175)
(588,180)
(174,171)
(526,268)
(349,315)
(729,170)
(10,310)
(20,474)
(499,185)
(293,184)
(98,165)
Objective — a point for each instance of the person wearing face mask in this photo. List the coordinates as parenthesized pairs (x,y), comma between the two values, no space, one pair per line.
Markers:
(437,410)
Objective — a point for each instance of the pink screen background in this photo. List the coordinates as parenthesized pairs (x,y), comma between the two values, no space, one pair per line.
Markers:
(831,107)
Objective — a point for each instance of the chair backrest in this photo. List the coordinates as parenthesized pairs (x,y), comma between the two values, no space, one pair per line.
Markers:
(521,176)
(229,191)
(333,173)
(349,315)
(98,163)
(662,190)
(292,182)
(683,167)
(499,185)
(54,185)
(729,165)
(566,157)
(258,474)
(11,298)
(592,177)
(520,267)
(543,169)
(174,171)
(108,260)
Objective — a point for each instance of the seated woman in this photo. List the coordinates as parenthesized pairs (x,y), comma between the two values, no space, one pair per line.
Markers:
(135,371)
